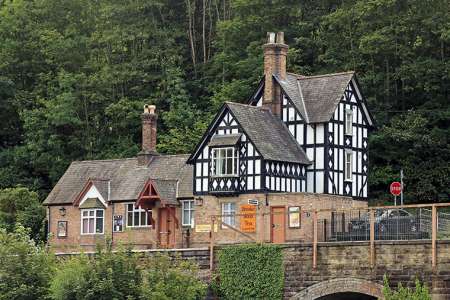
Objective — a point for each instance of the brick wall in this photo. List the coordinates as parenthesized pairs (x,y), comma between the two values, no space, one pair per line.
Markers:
(146,238)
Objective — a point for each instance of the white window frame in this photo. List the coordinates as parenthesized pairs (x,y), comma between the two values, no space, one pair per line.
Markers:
(95,217)
(187,205)
(215,155)
(348,122)
(229,213)
(348,165)
(136,210)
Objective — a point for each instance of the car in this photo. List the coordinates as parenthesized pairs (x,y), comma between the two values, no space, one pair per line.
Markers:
(389,224)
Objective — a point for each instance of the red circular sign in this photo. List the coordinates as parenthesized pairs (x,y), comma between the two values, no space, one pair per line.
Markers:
(396,188)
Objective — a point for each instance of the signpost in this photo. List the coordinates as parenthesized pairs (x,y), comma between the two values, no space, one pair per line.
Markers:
(396,190)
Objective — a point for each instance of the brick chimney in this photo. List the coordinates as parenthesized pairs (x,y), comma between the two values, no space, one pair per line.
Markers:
(149,118)
(275,53)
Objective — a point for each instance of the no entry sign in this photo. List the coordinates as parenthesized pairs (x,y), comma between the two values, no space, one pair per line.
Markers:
(396,188)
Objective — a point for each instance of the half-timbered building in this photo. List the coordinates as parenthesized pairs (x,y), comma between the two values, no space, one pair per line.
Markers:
(299,144)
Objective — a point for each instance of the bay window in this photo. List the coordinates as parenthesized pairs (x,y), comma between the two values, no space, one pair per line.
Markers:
(92,221)
(224,161)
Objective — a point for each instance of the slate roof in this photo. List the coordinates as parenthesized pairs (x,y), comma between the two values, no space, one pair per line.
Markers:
(167,190)
(316,97)
(126,176)
(225,140)
(268,133)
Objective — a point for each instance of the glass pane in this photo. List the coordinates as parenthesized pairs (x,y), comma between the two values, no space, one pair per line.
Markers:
(130,207)
(143,218)
(186,220)
(191,220)
(130,219)
(85,225)
(85,213)
(136,218)
(100,213)
(91,213)
(91,225)
(99,225)
(229,166)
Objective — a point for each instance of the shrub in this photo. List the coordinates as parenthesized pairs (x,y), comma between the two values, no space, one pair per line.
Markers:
(251,272)
(167,278)
(71,279)
(420,292)
(25,269)
(107,275)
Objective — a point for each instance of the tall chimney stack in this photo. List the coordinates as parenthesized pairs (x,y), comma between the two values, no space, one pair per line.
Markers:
(149,118)
(275,53)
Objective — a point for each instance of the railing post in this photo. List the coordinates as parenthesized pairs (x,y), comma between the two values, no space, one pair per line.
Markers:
(372,238)
(314,239)
(211,247)
(433,236)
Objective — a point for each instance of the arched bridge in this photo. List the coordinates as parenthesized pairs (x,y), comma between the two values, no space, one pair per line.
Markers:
(344,271)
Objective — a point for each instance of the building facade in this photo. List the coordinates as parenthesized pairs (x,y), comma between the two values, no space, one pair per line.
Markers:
(299,144)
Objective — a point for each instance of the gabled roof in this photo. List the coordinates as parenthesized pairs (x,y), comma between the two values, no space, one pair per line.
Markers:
(126,176)
(316,97)
(268,133)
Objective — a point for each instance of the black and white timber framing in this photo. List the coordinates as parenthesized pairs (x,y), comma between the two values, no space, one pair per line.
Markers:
(326,143)
(255,173)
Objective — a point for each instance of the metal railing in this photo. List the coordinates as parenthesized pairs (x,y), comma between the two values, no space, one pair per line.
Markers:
(371,224)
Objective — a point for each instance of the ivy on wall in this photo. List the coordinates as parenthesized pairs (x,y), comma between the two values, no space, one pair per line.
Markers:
(251,272)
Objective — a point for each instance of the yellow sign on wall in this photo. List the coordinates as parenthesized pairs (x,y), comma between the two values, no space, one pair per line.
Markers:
(204,227)
(248,218)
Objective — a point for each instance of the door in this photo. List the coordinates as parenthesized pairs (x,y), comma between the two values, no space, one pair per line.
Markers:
(278,220)
(166,231)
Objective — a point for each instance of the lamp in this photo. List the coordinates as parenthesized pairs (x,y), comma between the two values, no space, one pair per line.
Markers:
(62,211)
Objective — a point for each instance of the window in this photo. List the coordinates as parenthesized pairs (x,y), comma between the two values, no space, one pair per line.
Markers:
(224,161)
(92,221)
(187,217)
(138,217)
(348,122)
(348,166)
(228,213)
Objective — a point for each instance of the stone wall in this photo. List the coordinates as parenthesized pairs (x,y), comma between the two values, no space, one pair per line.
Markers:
(344,264)
(345,267)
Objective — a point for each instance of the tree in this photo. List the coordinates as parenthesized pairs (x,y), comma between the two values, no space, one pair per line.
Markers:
(22,206)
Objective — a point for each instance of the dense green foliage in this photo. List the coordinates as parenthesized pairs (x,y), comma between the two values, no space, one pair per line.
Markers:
(250,272)
(75,74)
(420,292)
(167,279)
(21,206)
(25,269)
(28,271)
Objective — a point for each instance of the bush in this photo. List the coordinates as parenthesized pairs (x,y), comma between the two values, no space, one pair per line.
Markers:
(168,278)
(25,269)
(404,293)
(108,275)
(251,272)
